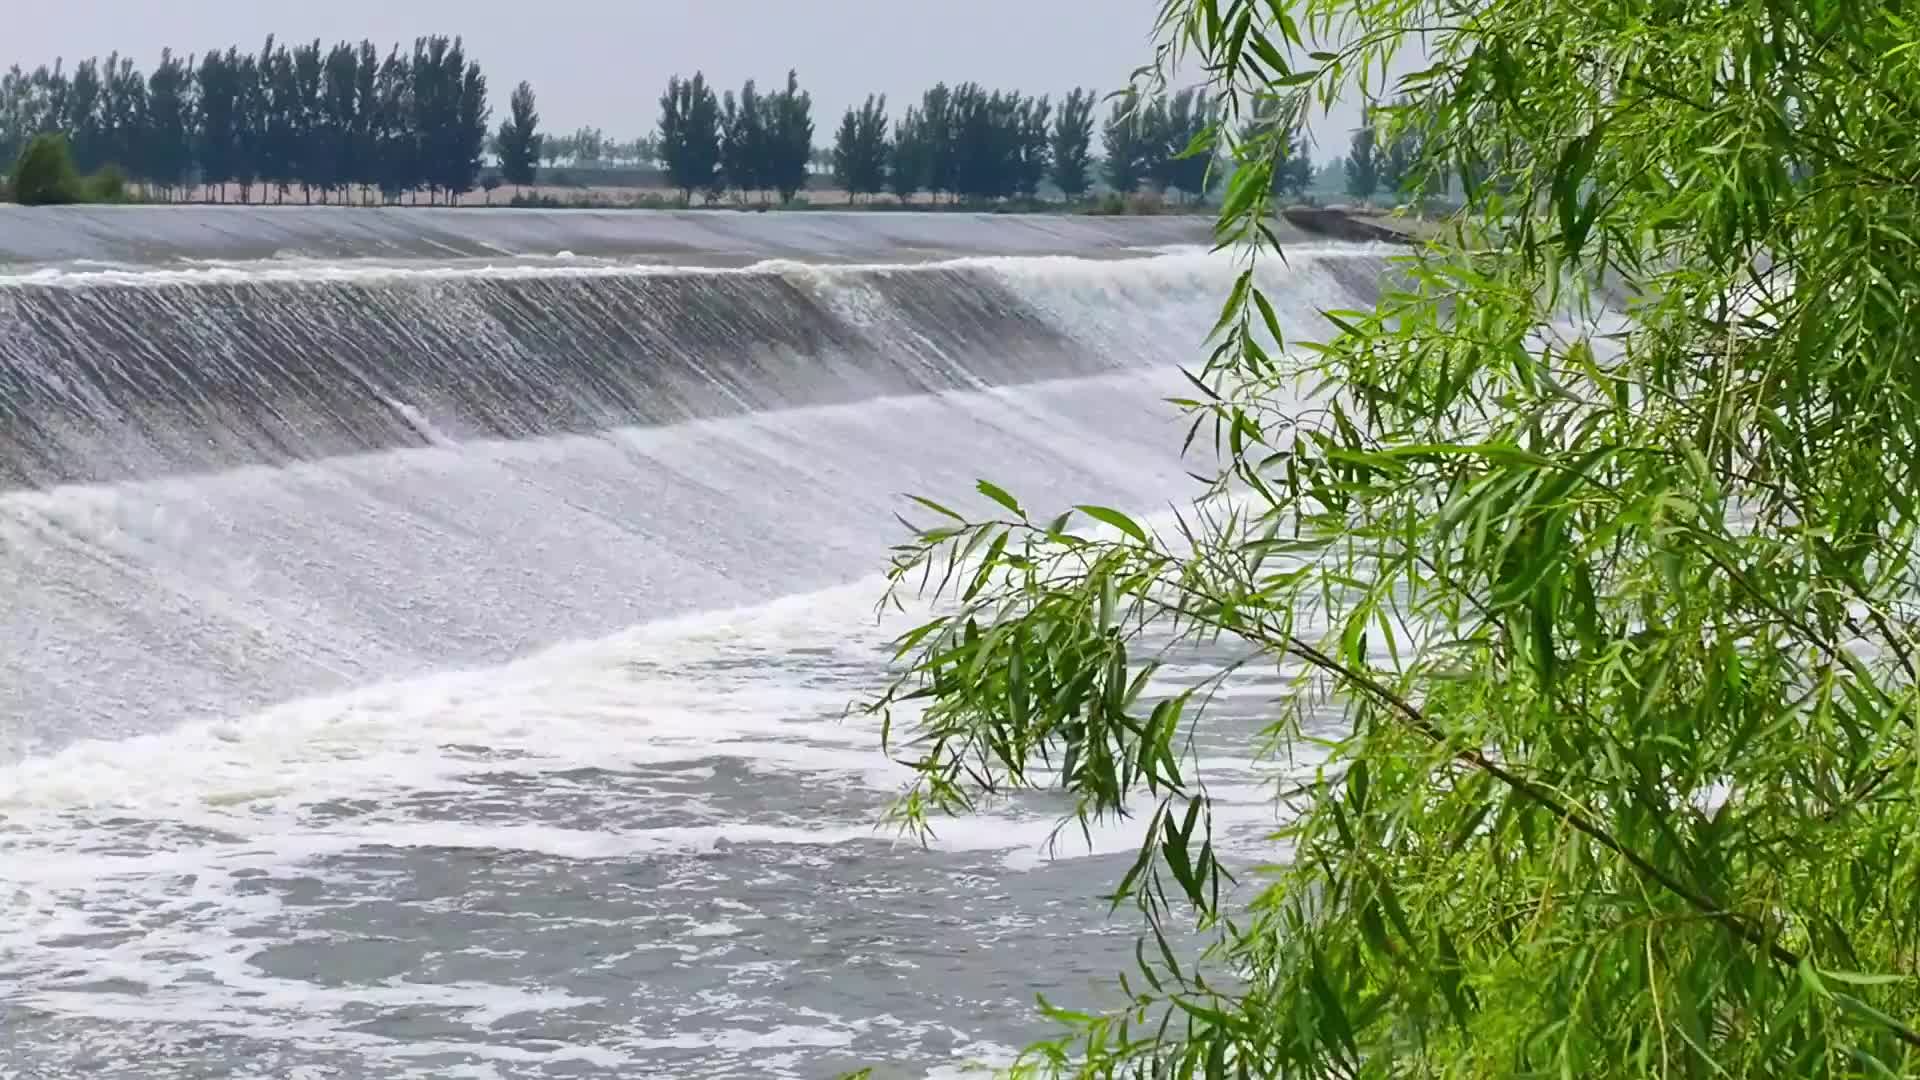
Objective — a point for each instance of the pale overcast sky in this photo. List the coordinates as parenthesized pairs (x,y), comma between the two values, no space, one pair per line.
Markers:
(603,62)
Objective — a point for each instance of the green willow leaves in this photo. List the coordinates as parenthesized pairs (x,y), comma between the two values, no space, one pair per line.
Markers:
(1598,529)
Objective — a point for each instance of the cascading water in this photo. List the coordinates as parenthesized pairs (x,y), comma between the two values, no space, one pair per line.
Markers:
(301,771)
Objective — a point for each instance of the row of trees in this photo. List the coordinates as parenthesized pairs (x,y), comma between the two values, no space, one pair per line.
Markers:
(1373,167)
(592,148)
(964,141)
(331,121)
(968,142)
(1375,164)
(973,144)
(750,143)
(323,120)
(589,147)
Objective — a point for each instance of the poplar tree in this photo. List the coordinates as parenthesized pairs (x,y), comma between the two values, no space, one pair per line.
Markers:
(520,138)
(1072,145)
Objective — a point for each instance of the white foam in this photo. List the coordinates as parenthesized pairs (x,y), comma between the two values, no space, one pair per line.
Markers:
(420,423)
(567,707)
(167,835)
(164,832)
(1177,260)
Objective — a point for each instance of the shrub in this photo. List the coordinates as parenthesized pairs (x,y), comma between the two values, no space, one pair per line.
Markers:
(44,175)
(109,185)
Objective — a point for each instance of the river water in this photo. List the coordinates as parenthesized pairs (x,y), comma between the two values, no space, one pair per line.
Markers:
(441,669)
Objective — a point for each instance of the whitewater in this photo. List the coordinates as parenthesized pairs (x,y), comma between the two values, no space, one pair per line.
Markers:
(429,654)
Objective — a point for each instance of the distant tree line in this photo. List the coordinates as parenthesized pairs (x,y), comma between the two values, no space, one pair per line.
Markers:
(325,121)
(338,121)
(1381,159)
(1379,163)
(589,147)
(964,142)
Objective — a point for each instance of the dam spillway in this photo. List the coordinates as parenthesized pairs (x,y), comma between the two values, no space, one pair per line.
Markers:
(492,588)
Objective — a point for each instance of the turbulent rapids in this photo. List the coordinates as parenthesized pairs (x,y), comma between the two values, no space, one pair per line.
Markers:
(145,374)
(233,491)
(234,485)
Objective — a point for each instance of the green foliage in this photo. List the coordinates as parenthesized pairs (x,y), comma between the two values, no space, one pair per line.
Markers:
(1597,536)
(44,174)
(789,139)
(444,101)
(690,135)
(107,184)
(520,139)
(1072,148)
(586,146)
(998,142)
(972,143)
(1293,162)
(1033,144)
(1168,142)
(745,142)
(1180,130)
(78,112)
(590,148)
(1363,163)
(847,154)
(397,153)
(327,121)
(332,155)
(123,117)
(938,134)
(1273,148)
(1131,141)
(910,162)
(1404,169)
(322,120)
(221,110)
(861,149)
(166,129)
(766,141)
(458,158)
